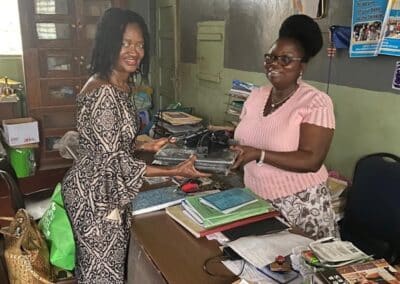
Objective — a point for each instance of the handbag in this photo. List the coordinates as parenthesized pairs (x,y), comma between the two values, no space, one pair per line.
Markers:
(26,252)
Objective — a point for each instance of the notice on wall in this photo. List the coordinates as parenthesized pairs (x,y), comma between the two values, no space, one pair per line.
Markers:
(396,77)
(366,26)
(390,43)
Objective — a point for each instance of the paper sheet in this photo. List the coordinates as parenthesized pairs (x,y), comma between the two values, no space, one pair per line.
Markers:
(250,273)
(262,250)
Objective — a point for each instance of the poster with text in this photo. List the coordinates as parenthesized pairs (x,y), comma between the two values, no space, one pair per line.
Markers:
(390,44)
(366,27)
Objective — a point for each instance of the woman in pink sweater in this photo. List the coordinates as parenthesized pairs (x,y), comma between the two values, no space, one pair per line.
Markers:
(286,130)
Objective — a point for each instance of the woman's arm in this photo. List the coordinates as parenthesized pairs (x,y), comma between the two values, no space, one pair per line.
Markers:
(184,169)
(313,147)
(154,145)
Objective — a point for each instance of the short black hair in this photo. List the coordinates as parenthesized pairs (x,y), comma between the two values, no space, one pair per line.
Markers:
(108,41)
(305,31)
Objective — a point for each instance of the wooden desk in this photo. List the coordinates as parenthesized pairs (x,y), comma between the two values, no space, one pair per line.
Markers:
(161,251)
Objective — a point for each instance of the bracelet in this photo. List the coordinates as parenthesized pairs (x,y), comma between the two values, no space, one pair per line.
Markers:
(260,161)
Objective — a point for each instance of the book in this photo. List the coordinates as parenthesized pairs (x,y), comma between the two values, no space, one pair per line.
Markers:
(373,271)
(180,216)
(280,277)
(179,117)
(329,276)
(156,199)
(258,228)
(228,200)
(213,218)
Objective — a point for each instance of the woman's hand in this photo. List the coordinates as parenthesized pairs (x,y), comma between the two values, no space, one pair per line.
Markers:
(156,144)
(245,155)
(187,169)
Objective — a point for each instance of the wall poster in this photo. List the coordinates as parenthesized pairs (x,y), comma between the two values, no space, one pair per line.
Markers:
(390,44)
(366,26)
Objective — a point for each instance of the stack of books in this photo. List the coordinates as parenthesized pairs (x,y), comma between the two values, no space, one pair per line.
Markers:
(215,162)
(238,93)
(241,89)
(203,215)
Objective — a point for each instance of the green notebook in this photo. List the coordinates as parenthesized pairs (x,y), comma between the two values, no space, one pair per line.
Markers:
(212,218)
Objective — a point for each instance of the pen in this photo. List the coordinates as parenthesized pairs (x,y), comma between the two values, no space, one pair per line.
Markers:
(328,240)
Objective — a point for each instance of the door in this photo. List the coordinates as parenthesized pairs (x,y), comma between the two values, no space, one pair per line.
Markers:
(167,52)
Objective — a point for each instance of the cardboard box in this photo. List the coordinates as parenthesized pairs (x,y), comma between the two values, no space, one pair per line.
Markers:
(20,131)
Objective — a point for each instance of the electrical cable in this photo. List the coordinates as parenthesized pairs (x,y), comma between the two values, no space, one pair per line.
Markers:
(219,258)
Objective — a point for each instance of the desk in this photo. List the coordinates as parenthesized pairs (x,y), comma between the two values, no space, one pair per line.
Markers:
(161,251)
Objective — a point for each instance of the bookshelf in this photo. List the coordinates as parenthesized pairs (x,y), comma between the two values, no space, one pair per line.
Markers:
(234,107)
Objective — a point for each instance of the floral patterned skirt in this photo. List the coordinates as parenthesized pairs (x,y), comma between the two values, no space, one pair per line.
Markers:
(310,210)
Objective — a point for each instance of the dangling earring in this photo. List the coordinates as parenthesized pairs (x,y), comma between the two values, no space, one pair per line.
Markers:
(300,76)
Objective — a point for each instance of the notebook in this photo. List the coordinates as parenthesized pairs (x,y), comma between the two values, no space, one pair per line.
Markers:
(228,200)
(156,199)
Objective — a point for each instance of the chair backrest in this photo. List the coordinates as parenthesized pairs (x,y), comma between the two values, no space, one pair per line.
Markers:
(372,214)
(7,173)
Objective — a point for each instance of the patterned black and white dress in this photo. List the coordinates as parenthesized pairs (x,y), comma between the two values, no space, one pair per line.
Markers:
(98,188)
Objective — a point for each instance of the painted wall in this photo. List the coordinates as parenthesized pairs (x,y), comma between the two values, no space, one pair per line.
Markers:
(366,108)
(11,66)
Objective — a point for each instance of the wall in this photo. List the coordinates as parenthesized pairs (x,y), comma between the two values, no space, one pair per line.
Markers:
(11,66)
(366,108)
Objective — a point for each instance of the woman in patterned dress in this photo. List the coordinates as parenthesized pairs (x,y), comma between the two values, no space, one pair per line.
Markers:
(99,187)
(286,130)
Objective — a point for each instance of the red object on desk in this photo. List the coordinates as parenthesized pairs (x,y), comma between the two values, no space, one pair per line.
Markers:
(190,187)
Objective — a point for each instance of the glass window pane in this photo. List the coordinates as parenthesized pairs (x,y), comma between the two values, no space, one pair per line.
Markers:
(10,32)
(57,63)
(51,7)
(52,31)
(61,92)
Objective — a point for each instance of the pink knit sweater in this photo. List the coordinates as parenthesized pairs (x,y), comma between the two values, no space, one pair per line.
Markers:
(280,131)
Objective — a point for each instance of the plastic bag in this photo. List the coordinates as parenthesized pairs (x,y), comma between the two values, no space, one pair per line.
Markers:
(68,145)
(57,230)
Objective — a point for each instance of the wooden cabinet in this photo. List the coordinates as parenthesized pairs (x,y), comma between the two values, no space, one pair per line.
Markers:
(57,37)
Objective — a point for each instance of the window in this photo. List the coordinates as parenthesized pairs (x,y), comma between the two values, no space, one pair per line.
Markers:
(10,33)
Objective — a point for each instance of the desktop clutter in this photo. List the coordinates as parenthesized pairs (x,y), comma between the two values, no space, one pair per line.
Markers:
(256,244)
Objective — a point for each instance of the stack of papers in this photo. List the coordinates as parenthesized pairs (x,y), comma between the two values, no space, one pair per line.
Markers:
(333,252)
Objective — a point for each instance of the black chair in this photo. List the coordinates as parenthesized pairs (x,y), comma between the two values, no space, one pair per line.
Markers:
(372,214)
(35,203)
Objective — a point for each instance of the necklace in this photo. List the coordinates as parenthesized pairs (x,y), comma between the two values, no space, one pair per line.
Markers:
(275,104)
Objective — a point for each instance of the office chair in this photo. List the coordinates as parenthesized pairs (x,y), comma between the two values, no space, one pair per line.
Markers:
(372,214)
(35,203)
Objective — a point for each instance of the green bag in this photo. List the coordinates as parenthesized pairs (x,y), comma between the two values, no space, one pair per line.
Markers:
(57,230)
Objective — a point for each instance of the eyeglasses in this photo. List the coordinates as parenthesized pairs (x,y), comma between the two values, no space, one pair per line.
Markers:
(283,60)
(138,46)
